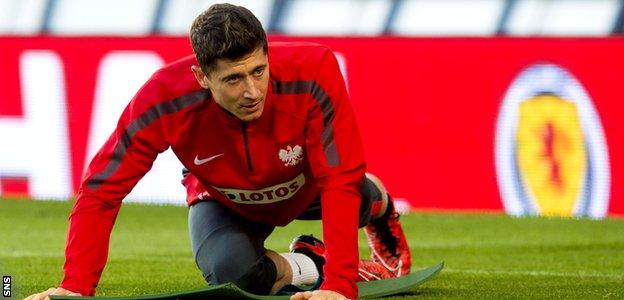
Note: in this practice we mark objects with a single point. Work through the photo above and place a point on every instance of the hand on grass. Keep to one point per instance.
(318, 295)
(51, 291)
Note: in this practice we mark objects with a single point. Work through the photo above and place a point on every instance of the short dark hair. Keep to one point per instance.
(225, 31)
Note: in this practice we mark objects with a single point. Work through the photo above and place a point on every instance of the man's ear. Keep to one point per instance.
(201, 77)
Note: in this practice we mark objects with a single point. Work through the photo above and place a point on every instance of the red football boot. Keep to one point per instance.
(387, 241)
(370, 270)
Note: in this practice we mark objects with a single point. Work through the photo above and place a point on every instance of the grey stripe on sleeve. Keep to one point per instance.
(327, 107)
(137, 125)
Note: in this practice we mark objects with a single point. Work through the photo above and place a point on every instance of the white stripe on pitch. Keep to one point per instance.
(582, 274)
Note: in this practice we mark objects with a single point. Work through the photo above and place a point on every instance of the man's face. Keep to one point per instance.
(239, 86)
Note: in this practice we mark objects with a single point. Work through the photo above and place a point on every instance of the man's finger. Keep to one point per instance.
(42, 295)
(326, 295)
(45, 295)
(301, 296)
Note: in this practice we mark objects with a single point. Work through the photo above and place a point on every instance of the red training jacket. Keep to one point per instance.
(305, 144)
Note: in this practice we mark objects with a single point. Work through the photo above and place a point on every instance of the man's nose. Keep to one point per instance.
(251, 91)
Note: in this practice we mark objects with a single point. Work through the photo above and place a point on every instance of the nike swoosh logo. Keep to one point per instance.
(298, 267)
(205, 160)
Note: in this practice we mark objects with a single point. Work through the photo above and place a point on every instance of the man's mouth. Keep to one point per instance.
(251, 107)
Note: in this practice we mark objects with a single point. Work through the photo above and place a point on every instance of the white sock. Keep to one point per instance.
(303, 268)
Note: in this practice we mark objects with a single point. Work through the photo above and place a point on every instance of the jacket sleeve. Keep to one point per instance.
(123, 160)
(337, 161)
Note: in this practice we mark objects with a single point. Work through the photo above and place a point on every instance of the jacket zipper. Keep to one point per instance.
(249, 163)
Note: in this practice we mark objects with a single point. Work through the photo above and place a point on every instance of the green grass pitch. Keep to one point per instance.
(487, 256)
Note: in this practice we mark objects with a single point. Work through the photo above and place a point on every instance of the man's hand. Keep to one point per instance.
(318, 295)
(51, 291)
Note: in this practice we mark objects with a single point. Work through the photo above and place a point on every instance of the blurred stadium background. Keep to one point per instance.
(480, 105)
(486, 106)
(322, 17)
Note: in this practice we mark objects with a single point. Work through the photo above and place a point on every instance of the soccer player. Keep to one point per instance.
(267, 135)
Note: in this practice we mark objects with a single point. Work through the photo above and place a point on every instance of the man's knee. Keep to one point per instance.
(257, 277)
(260, 278)
(221, 269)
(233, 258)
(224, 256)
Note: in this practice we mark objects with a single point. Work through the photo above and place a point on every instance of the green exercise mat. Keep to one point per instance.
(368, 289)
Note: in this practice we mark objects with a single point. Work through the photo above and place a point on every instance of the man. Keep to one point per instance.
(266, 135)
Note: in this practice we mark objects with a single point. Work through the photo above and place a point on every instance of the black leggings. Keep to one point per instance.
(230, 248)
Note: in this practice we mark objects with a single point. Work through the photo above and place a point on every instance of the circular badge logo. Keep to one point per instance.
(551, 153)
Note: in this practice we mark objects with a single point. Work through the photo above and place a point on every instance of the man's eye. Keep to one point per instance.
(232, 80)
(259, 72)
